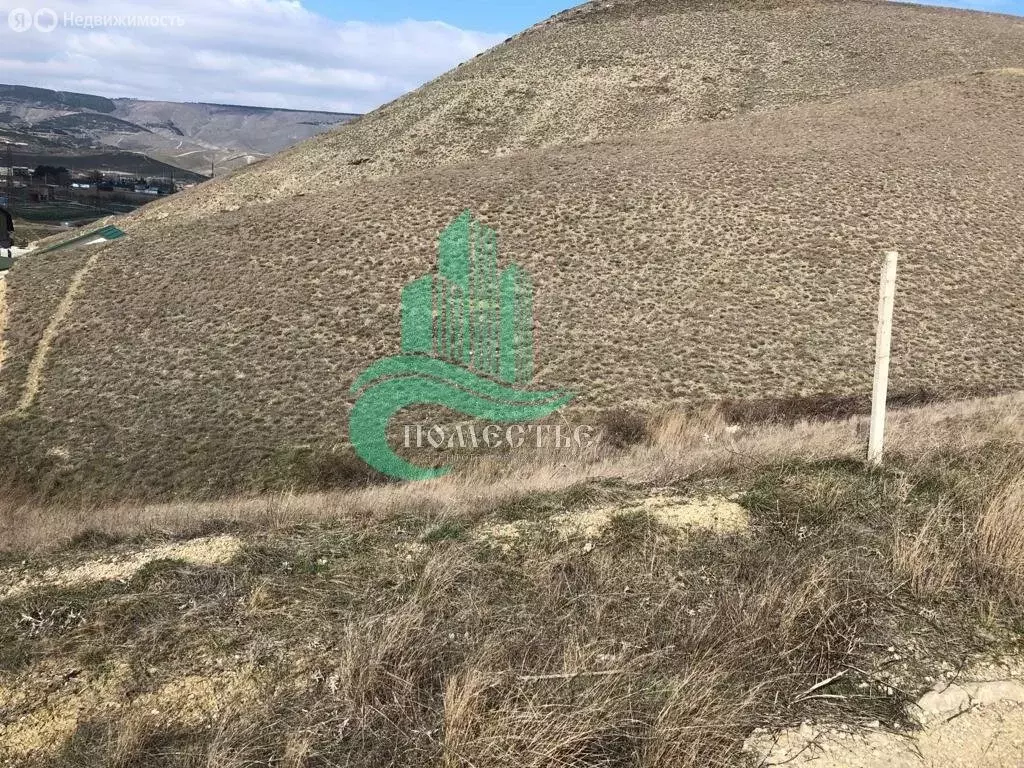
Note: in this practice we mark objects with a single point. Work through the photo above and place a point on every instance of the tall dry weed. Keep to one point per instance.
(1000, 534)
(930, 557)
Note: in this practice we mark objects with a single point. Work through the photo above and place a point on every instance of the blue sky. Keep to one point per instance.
(482, 15)
(331, 55)
(509, 17)
(1015, 7)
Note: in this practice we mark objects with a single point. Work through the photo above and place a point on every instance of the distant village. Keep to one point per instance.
(49, 193)
(43, 180)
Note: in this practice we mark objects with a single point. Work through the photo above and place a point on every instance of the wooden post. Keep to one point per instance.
(883, 342)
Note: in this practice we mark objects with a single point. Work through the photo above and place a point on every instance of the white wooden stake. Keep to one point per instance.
(883, 342)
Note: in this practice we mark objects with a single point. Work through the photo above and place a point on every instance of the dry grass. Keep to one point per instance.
(921, 554)
(684, 443)
(370, 628)
(459, 658)
(1000, 532)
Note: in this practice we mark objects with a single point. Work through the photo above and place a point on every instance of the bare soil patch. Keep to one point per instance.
(204, 551)
(974, 721)
(716, 514)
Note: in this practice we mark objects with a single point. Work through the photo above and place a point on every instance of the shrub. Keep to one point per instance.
(621, 428)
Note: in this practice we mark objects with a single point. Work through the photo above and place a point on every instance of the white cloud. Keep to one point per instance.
(261, 52)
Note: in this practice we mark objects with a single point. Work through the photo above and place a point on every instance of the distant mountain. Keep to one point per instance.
(187, 135)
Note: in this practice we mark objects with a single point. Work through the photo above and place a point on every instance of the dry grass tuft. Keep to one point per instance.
(620, 428)
(923, 555)
(1000, 533)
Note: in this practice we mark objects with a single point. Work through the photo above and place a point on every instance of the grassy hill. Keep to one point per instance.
(701, 193)
(629, 67)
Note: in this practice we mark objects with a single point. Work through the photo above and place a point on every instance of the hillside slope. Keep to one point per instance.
(716, 258)
(607, 69)
(734, 259)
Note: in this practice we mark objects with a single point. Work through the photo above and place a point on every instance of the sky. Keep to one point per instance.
(334, 55)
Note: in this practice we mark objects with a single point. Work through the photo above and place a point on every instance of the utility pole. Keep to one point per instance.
(883, 344)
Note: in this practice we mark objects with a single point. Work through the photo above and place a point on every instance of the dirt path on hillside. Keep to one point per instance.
(975, 722)
(33, 379)
(3, 320)
(35, 369)
(16, 252)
